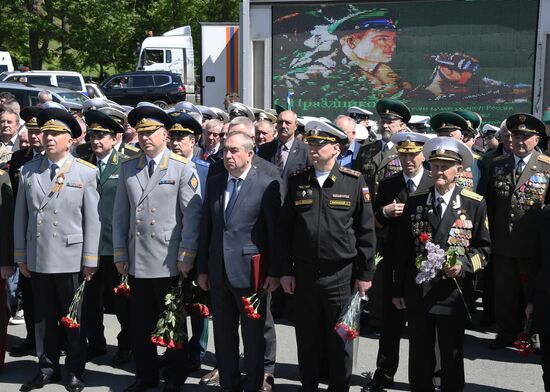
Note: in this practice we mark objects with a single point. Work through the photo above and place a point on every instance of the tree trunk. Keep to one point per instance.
(34, 35)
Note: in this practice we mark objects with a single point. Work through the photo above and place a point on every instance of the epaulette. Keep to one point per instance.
(420, 192)
(349, 171)
(131, 148)
(471, 195)
(544, 158)
(300, 171)
(128, 158)
(177, 157)
(2, 172)
(89, 164)
(476, 156)
(500, 157)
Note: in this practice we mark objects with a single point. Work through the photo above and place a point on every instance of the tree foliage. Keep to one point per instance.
(92, 36)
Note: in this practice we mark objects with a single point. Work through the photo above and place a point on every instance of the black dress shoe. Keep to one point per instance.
(499, 343)
(211, 378)
(75, 384)
(97, 351)
(39, 381)
(171, 388)
(23, 347)
(379, 382)
(121, 357)
(269, 383)
(141, 385)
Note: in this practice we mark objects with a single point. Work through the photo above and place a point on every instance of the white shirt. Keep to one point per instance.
(284, 152)
(321, 177)
(229, 187)
(416, 179)
(389, 144)
(446, 200)
(105, 160)
(59, 163)
(525, 160)
(156, 159)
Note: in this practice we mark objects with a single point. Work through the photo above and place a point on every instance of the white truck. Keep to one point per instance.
(172, 51)
(6, 63)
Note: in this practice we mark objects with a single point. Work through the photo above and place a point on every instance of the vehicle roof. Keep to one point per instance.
(131, 73)
(37, 87)
(42, 73)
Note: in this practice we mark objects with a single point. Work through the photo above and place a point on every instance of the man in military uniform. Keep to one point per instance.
(155, 239)
(517, 191)
(388, 208)
(103, 131)
(379, 159)
(18, 159)
(454, 219)
(327, 246)
(56, 240)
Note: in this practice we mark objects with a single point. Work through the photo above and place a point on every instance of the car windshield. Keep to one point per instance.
(72, 96)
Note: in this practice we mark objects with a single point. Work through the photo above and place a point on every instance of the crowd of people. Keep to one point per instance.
(248, 203)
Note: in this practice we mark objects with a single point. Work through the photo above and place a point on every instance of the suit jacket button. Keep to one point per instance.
(37, 235)
(152, 234)
(153, 222)
(39, 222)
(55, 211)
(138, 233)
(55, 234)
(139, 209)
(153, 209)
(55, 223)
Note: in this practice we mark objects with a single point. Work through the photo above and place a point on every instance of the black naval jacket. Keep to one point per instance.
(18, 159)
(464, 223)
(330, 226)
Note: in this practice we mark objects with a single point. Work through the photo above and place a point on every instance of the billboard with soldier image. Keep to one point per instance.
(434, 55)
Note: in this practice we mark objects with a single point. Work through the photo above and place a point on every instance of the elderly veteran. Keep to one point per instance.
(57, 235)
(388, 209)
(454, 219)
(326, 245)
(155, 239)
(516, 194)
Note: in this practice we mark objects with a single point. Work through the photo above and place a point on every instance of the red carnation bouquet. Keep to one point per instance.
(252, 303)
(171, 326)
(198, 302)
(348, 322)
(523, 341)
(123, 288)
(71, 319)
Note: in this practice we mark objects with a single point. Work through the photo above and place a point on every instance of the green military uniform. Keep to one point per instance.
(375, 160)
(515, 201)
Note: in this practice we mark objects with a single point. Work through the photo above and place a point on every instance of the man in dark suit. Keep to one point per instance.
(287, 153)
(454, 219)
(350, 151)
(103, 131)
(238, 224)
(212, 141)
(388, 209)
(378, 159)
(516, 193)
(18, 159)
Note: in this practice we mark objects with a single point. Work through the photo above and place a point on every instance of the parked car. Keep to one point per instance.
(159, 87)
(64, 79)
(27, 94)
(94, 91)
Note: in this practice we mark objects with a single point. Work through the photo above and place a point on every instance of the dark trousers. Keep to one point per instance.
(146, 305)
(319, 299)
(4, 317)
(54, 293)
(542, 322)
(103, 283)
(25, 288)
(227, 311)
(510, 294)
(423, 329)
(270, 340)
(392, 324)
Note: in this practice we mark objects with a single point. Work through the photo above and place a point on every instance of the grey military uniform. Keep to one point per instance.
(57, 223)
(156, 220)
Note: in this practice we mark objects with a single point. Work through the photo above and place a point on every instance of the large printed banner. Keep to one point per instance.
(434, 55)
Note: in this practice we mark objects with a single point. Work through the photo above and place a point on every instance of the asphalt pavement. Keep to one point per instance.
(486, 370)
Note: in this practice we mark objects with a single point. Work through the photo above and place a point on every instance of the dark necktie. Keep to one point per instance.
(410, 186)
(281, 159)
(519, 169)
(151, 168)
(439, 207)
(102, 167)
(53, 171)
(385, 148)
(233, 197)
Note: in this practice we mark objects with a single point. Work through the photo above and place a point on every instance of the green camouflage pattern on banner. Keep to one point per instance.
(435, 56)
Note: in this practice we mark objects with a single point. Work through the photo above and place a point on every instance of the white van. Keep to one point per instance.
(173, 52)
(6, 63)
(65, 79)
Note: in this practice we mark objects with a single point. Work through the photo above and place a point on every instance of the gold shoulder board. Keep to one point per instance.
(471, 195)
(131, 148)
(353, 173)
(501, 157)
(89, 164)
(179, 158)
(127, 158)
(544, 158)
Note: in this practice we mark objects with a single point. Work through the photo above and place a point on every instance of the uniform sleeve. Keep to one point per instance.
(284, 233)
(121, 219)
(191, 204)
(363, 225)
(480, 244)
(20, 223)
(91, 224)
(271, 206)
(402, 256)
(6, 222)
(205, 232)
